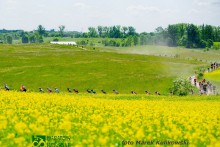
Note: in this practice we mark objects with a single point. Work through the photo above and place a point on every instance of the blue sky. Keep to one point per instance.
(144, 15)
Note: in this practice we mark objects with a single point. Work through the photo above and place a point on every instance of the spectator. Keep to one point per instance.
(195, 82)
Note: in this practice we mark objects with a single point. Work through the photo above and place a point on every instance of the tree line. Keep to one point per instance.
(182, 34)
(109, 32)
(36, 36)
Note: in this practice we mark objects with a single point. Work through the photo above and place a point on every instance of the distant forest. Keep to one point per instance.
(182, 34)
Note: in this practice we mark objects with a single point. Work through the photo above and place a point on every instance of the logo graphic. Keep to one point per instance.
(51, 141)
(39, 141)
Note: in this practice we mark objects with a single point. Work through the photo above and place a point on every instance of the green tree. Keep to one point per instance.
(169, 41)
(92, 32)
(181, 87)
(124, 30)
(203, 32)
(131, 31)
(25, 39)
(115, 32)
(32, 38)
(203, 44)
(136, 40)
(181, 29)
(182, 41)
(85, 35)
(143, 39)
(61, 30)
(193, 37)
(128, 41)
(39, 38)
(159, 30)
(41, 30)
(160, 36)
(173, 34)
(100, 30)
(209, 43)
(209, 33)
(216, 34)
(15, 36)
(105, 32)
(9, 39)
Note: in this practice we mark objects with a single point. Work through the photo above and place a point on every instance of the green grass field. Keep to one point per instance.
(155, 50)
(45, 65)
(172, 52)
(102, 68)
(216, 45)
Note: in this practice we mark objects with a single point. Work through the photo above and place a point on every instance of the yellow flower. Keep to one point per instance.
(10, 136)
(105, 129)
(20, 127)
(3, 124)
(140, 134)
(88, 119)
(103, 140)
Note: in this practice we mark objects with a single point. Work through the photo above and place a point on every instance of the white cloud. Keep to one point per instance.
(201, 3)
(193, 11)
(82, 5)
(11, 4)
(149, 9)
(12, 1)
(216, 3)
(140, 8)
(42, 6)
(204, 2)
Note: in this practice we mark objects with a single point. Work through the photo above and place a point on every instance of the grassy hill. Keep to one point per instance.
(204, 55)
(173, 52)
(45, 65)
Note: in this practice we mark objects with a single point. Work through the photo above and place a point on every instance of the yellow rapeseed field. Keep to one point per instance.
(215, 75)
(107, 120)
